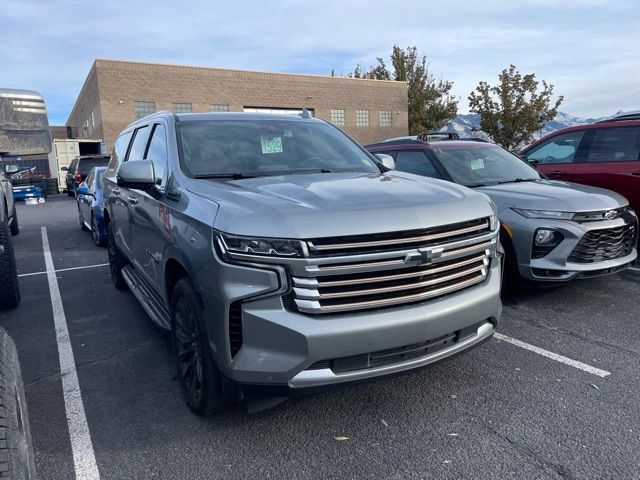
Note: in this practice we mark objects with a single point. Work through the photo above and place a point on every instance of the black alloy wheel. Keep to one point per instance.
(197, 372)
(95, 232)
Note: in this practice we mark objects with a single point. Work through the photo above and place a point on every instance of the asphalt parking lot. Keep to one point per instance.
(556, 396)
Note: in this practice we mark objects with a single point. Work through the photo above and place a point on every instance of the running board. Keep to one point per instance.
(153, 305)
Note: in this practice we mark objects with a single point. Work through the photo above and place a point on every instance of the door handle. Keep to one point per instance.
(115, 191)
(636, 173)
(132, 200)
(559, 172)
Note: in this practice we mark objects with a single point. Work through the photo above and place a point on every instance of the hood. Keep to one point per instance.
(553, 195)
(335, 204)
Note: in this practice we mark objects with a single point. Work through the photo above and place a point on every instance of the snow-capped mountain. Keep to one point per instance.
(469, 125)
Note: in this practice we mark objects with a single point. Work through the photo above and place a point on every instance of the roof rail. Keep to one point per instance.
(450, 135)
(398, 140)
(621, 117)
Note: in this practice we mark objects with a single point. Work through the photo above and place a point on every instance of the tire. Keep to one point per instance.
(197, 372)
(510, 276)
(9, 286)
(15, 226)
(83, 227)
(16, 449)
(95, 232)
(116, 261)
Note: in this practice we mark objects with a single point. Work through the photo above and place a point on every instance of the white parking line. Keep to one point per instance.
(553, 356)
(84, 459)
(64, 269)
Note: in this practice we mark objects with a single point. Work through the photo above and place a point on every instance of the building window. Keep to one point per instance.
(338, 117)
(386, 118)
(182, 108)
(362, 118)
(142, 109)
(219, 108)
(93, 121)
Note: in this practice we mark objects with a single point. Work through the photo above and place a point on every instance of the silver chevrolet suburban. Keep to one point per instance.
(285, 258)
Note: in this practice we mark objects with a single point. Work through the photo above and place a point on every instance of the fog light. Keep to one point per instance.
(544, 241)
(545, 237)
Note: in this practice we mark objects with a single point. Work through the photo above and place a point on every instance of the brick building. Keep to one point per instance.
(116, 93)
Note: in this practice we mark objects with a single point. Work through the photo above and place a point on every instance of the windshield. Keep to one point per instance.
(267, 147)
(484, 165)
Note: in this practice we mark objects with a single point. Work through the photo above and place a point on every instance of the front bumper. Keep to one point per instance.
(279, 344)
(556, 266)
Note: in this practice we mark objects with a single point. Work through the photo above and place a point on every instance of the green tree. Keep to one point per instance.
(431, 104)
(512, 111)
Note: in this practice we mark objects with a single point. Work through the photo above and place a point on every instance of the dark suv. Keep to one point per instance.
(604, 154)
(79, 169)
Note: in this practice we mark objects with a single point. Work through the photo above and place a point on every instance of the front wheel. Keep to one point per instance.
(95, 232)
(9, 287)
(15, 226)
(116, 261)
(83, 227)
(198, 374)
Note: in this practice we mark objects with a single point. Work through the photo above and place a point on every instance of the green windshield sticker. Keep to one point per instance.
(477, 164)
(271, 144)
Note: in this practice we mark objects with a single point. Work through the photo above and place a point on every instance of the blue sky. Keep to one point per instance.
(590, 50)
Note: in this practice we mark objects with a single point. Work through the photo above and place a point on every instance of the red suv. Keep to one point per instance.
(604, 154)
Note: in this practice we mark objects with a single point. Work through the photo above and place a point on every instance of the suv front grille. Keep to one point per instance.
(604, 244)
(390, 241)
(357, 281)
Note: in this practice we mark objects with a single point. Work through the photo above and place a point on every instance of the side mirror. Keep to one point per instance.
(137, 174)
(82, 189)
(64, 169)
(386, 160)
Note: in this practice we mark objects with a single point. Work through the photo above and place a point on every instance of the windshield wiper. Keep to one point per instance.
(234, 176)
(321, 170)
(519, 180)
(474, 185)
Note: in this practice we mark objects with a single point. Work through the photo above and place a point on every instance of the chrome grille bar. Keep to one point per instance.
(314, 306)
(303, 293)
(432, 270)
(401, 240)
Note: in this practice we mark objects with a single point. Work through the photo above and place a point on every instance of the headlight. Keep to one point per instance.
(271, 247)
(549, 214)
(493, 221)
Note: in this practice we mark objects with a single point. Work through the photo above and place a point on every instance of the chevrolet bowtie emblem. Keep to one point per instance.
(424, 255)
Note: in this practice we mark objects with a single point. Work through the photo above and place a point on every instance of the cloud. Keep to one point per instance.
(587, 49)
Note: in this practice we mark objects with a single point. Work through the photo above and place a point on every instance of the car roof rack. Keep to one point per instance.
(623, 116)
(399, 140)
(424, 136)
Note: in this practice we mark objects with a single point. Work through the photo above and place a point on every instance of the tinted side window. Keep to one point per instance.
(120, 149)
(615, 145)
(559, 149)
(415, 161)
(139, 145)
(157, 153)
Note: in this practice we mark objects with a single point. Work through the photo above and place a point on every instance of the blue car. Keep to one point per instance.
(90, 198)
